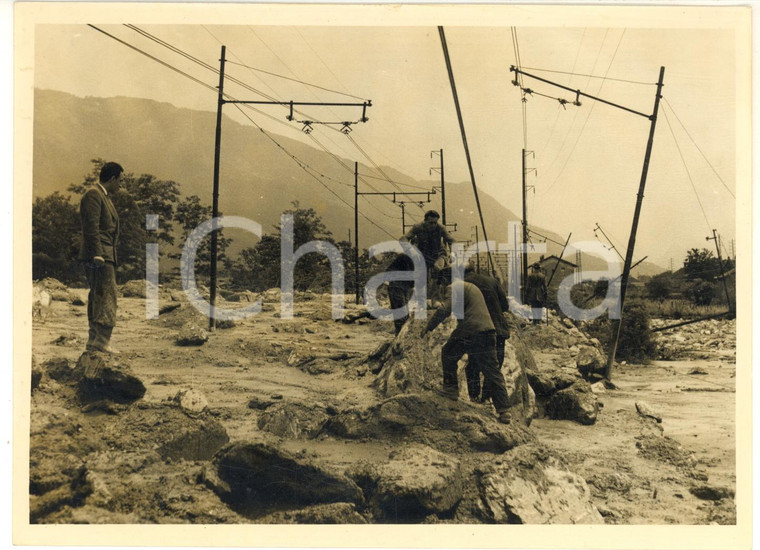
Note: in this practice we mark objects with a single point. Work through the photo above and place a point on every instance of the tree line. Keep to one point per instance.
(56, 237)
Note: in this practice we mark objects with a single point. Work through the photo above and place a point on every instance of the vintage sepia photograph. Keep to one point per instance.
(441, 267)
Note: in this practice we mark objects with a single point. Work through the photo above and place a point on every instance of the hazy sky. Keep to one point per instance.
(588, 159)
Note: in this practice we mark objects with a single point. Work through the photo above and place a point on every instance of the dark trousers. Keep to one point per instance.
(473, 376)
(481, 352)
(101, 304)
(399, 294)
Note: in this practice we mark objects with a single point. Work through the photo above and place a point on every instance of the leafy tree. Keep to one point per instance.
(660, 286)
(702, 293)
(700, 264)
(259, 266)
(56, 235)
(189, 214)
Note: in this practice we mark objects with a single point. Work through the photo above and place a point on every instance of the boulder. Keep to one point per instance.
(547, 381)
(293, 420)
(59, 368)
(191, 400)
(168, 431)
(577, 403)
(101, 376)
(192, 335)
(645, 410)
(416, 482)
(590, 362)
(412, 363)
(339, 513)
(532, 486)
(244, 296)
(260, 476)
(707, 492)
(135, 289)
(431, 419)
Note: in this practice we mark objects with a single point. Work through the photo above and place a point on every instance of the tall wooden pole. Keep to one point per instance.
(215, 196)
(356, 231)
(632, 239)
(443, 193)
(715, 237)
(525, 230)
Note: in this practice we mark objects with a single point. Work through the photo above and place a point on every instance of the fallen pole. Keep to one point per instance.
(691, 321)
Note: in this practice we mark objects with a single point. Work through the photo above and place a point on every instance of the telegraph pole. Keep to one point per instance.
(715, 238)
(525, 230)
(443, 184)
(356, 230)
(308, 124)
(215, 194)
(634, 227)
(477, 248)
(642, 184)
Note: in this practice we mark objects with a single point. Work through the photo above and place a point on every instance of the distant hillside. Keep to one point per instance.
(258, 180)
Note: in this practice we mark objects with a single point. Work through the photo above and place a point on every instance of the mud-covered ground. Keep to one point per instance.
(106, 462)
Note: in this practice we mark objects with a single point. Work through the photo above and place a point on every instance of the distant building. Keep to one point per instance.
(563, 269)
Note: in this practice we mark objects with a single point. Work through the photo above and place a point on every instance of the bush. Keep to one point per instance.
(636, 343)
(702, 293)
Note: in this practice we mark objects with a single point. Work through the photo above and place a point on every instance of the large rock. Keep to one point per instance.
(293, 420)
(191, 400)
(168, 431)
(334, 514)
(590, 362)
(577, 403)
(102, 376)
(136, 288)
(412, 363)
(547, 381)
(260, 477)
(532, 486)
(192, 335)
(430, 419)
(416, 482)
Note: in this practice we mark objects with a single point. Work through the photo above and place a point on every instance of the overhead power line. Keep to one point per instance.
(688, 173)
(591, 76)
(699, 148)
(295, 80)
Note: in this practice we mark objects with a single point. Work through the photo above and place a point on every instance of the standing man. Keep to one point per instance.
(433, 242)
(474, 335)
(100, 235)
(497, 304)
(535, 290)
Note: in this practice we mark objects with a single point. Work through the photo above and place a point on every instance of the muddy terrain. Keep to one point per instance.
(313, 420)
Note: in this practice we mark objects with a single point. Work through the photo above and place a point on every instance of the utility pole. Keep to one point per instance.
(477, 249)
(715, 238)
(634, 227)
(639, 197)
(450, 71)
(215, 194)
(443, 184)
(308, 124)
(356, 230)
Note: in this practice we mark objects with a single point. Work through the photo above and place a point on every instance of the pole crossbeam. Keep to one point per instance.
(577, 92)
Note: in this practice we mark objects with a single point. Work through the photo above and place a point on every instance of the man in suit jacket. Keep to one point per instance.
(496, 301)
(100, 236)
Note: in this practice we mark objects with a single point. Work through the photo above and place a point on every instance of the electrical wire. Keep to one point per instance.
(298, 81)
(688, 173)
(698, 148)
(591, 110)
(591, 76)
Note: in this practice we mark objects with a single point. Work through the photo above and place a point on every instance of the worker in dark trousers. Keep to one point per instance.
(474, 335)
(535, 290)
(498, 306)
(400, 292)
